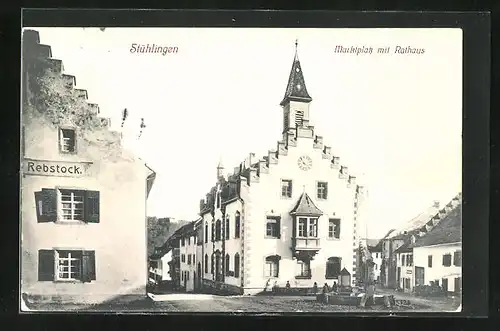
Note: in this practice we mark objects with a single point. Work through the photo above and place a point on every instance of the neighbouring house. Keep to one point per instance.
(190, 266)
(438, 254)
(375, 249)
(295, 215)
(404, 266)
(396, 238)
(83, 196)
(159, 271)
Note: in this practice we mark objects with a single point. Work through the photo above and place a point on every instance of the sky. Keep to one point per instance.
(394, 119)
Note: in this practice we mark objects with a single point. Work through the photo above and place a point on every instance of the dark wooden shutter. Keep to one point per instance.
(46, 265)
(336, 233)
(278, 228)
(39, 208)
(326, 191)
(49, 204)
(92, 206)
(88, 266)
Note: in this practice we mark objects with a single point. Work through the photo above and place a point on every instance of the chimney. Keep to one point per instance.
(436, 204)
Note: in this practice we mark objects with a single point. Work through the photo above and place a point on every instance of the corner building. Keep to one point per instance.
(83, 196)
(293, 215)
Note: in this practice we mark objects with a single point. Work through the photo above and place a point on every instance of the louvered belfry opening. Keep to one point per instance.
(299, 118)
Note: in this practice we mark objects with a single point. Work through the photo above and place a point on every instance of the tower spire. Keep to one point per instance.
(296, 88)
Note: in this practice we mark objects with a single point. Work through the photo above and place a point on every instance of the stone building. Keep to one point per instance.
(295, 215)
(83, 196)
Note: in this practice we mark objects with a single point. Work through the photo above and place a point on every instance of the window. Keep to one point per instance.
(194, 259)
(237, 225)
(213, 232)
(333, 267)
(322, 190)
(403, 261)
(183, 242)
(72, 205)
(66, 265)
(429, 261)
(457, 258)
(376, 255)
(302, 227)
(227, 228)
(286, 121)
(212, 264)
(237, 265)
(183, 258)
(206, 233)
(334, 229)
(273, 227)
(218, 229)
(67, 205)
(447, 260)
(304, 269)
(189, 241)
(299, 117)
(206, 263)
(189, 259)
(313, 228)
(376, 266)
(409, 260)
(272, 266)
(67, 140)
(286, 188)
(227, 262)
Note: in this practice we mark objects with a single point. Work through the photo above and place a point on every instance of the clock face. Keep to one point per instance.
(305, 163)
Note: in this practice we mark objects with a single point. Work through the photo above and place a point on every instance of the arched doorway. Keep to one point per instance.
(198, 277)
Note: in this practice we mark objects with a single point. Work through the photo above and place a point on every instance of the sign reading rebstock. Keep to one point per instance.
(55, 168)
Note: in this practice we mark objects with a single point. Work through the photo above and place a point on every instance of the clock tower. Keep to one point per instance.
(296, 101)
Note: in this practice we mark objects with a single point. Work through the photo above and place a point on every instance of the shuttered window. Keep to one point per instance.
(66, 265)
(457, 258)
(67, 205)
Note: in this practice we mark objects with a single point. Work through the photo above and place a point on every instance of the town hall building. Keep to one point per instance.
(293, 216)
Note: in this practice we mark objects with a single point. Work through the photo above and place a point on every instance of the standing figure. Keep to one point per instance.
(315, 288)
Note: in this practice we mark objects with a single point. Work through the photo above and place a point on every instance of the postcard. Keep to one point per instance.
(241, 169)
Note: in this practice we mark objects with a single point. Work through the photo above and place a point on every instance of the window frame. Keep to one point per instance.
(61, 138)
(302, 264)
(333, 237)
(269, 270)
(450, 260)
(325, 189)
(237, 225)
(289, 188)
(276, 221)
(429, 261)
(333, 260)
(57, 260)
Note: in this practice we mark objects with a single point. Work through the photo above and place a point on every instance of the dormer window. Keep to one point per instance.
(67, 140)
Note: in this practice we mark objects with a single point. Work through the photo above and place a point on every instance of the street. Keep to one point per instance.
(254, 304)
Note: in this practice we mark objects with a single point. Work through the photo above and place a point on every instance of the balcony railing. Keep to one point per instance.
(306, 243)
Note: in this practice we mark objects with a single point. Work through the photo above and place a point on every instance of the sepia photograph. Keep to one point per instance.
(245, 170)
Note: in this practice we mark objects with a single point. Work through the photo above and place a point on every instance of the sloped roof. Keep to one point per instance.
(374, 245)
(372, 242)
(448, 230)
(296, 87)
(406, 247)
(305, 206)
(415, 224)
